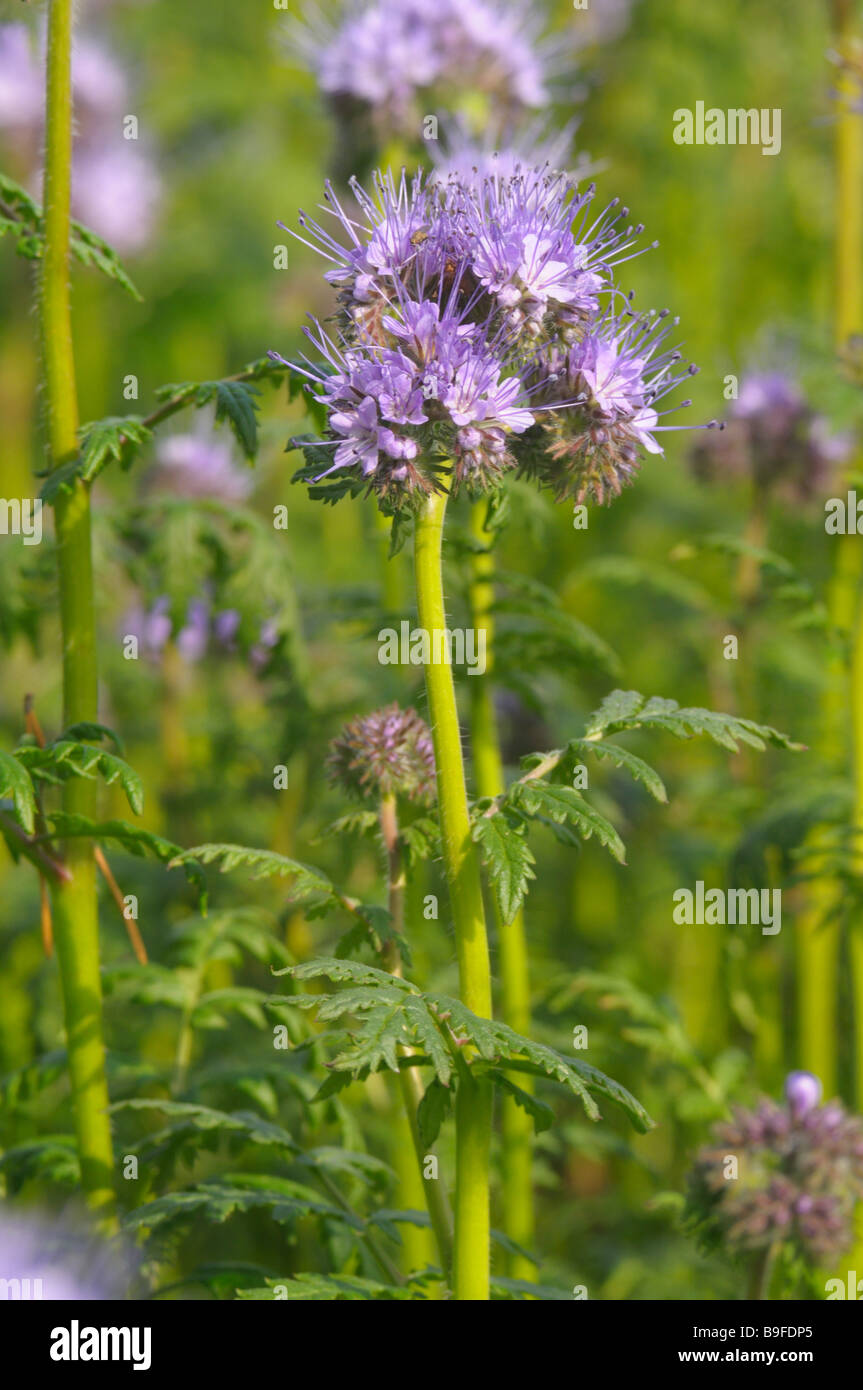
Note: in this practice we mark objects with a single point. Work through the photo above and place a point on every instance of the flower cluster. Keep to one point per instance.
(380, 54)
(800, 1173)
(475, 336)
(387, 753)
(115, 187)
(776, 439)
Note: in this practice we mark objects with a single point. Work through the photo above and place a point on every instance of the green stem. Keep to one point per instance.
(76, 924)
(759, 1274)
(432, 1190)
(818, 951)
(516, 1125)
(473, 1099)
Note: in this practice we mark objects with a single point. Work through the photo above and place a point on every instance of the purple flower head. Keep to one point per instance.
(532, 248)
(444, 375)
(803, 1092)
(469, 313)
(201, 465)
(597, 405)
(388, 753)
(800, 1175)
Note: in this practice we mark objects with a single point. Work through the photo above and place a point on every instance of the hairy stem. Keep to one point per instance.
(516, 1124)
(432, 1190)
(76, 925)
(473, 1099)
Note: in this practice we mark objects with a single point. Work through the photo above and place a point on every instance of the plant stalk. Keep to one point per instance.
(432, 1190)
(473, 1099)
(516, 1125)
(76, 923)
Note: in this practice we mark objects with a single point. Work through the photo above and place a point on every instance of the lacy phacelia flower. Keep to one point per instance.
(799, 1176)
(381, 54)
(775, 439)
(449, 293)
(595, 405)
(388, 753)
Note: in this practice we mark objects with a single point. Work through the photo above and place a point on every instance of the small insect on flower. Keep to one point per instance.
(387, 753)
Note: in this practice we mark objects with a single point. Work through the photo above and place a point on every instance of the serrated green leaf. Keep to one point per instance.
(507, 857)
(627, 709)
(236, 403)
(15, 783)
(562, 803)
(66, 758)
(622, 757)
(142, 843)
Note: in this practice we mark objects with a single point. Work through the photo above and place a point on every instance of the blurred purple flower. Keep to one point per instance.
(803, 1092)
(116, 192)
(225, 627)
(152, 627)
(58, 1261)
(800, 1176)
(22, 94)
(382, 53)
(193, 637)
(775, 439)
(202, 465)
(268, 639)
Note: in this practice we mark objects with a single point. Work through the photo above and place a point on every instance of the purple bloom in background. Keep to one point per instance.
(115, 187)
(116, 191)
(193, 637)
(152, 626)
(54, 1260)
(775, 439)
(22, 81)
(381, 54)
(387, 753)
(800, 1176)
(226, 625)
(268, 640)
(803, 1092)
(201, 465)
